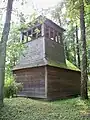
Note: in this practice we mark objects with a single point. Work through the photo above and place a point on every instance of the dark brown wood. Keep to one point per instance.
(33, 81)
(62, 83)
(48, 82)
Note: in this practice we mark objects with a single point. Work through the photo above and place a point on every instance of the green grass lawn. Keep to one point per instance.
(28, 109)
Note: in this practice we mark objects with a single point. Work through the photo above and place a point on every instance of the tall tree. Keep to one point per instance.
(3, 44)
(57, 13)
(79, 5)
(74, 50)
(84, 77)
(77, 48)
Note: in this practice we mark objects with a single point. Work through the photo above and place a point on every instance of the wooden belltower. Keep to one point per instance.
(42, 68)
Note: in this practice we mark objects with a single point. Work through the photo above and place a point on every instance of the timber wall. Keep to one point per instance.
(33, 81)
(54, 51)
(62, 83)
(33, 54)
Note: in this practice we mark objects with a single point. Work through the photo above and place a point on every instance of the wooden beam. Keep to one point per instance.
(49, 31)
(27, 36)
(42, 30)
(46, 83)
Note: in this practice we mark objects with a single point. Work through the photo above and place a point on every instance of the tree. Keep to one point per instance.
(14, 49)
(84, 77)
(74, 6)
(77, 48)
(57, 13)
(3, 44)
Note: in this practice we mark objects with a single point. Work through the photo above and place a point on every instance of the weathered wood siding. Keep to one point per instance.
(33, 55)
(62, 83)
(40, 52)
(54, 25)
(33, 81)
(54, 51)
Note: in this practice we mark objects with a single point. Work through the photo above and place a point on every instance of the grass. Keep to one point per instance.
(28, 109)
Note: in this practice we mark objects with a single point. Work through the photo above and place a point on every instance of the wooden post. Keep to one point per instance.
(57, 37)
(46, 81)
(49, 33)
(42, 30)
(27, 36)
(22, 37)
(53, 34)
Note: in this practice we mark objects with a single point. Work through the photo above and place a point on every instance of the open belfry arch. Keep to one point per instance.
(42, 68)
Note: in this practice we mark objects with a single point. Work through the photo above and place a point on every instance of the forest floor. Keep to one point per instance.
(29, 109)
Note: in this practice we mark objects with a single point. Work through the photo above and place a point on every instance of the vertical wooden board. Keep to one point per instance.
(46, 85)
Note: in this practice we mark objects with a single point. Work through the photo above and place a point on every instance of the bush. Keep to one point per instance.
(11, 88)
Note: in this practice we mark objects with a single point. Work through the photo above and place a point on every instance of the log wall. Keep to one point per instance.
(33, 80)
(62, 83)
(48, 82)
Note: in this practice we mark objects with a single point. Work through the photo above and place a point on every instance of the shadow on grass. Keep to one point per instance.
(6, 112)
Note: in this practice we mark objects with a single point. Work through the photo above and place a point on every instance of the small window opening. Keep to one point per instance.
(51, 34)
(31, 34)
(47, 31)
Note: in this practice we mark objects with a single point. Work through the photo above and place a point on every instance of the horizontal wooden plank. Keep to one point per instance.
(33, 81)
(62, 83)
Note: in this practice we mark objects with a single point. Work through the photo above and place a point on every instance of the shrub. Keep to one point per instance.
(11, 88)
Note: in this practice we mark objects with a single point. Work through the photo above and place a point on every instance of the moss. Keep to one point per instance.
(68, 65)
(55, 64)
(71, 66)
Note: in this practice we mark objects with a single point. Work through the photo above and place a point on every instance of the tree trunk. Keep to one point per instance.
(77, 47)
(74, 50)
(84, 78)
(3, 43)
(66, 51)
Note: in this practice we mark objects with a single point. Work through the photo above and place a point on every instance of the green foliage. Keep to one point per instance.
(57, 13)
(28, 109)
(14, 49)
(11, 88)
(70, 42)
